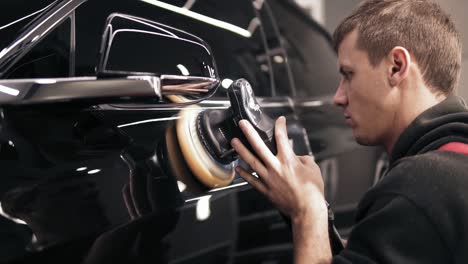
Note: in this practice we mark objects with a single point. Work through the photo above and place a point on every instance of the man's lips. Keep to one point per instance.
(348, 119)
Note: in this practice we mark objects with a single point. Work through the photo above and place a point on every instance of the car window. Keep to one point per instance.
(276, 57)
(16, 14)
(311, 57)
(49, 58)
(231, 28)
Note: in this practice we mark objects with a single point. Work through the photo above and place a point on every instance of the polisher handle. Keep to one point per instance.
(245, 106)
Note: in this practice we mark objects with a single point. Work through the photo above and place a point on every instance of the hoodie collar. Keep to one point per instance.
(438, 125)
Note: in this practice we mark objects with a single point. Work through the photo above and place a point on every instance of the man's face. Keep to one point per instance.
(364, 94)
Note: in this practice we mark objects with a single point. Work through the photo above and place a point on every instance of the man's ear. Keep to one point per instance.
(400, 61)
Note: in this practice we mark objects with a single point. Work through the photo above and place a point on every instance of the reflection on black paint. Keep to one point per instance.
(61, 185)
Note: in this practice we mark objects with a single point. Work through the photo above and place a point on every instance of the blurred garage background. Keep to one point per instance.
(238, 228)
(330, 13)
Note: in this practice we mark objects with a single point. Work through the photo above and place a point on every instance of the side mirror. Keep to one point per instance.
(181, 63)
(139, 61)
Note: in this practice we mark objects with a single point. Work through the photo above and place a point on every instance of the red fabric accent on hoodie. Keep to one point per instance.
(455, 147)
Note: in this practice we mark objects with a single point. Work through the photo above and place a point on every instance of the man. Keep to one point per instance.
(400, 61)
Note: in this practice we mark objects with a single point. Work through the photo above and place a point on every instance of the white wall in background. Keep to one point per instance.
(457, 9)
(316, 8)
(336, 10)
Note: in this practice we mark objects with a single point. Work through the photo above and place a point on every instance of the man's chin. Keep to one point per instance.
(364, 141)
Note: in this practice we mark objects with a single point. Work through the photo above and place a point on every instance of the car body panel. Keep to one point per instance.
(87, 181)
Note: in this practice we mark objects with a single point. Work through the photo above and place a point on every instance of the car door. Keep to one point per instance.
(68, 167)
(257, 230)
(89, 179)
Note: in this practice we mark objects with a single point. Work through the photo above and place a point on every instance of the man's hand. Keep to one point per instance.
(294, 184)
(289, 181)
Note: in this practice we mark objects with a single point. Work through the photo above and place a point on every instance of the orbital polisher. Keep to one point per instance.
(198, 146)
(199, 150)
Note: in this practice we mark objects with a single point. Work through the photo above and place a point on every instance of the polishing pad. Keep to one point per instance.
(204, 167)
(177, 163)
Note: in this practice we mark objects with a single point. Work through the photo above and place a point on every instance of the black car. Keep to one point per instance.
(113, 113)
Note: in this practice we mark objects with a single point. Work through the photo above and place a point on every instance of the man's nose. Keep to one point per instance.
(340, 98)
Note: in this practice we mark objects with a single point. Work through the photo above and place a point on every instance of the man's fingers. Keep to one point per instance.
(282, 140)
(307, 159)
(248, 157)
(257, 143)
(254, 181)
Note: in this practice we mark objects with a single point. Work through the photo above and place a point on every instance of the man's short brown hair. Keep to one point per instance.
(420, 26)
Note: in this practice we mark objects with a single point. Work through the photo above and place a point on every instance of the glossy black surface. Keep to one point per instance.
(19, 14)
(133, 44)
(90, 181)
(26, 38)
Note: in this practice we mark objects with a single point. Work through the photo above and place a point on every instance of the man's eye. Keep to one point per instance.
(347, 75)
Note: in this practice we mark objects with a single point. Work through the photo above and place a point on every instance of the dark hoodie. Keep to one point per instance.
(418, 213)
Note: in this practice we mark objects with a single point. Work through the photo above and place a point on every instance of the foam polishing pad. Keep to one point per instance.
(177, 164)
(204, 167)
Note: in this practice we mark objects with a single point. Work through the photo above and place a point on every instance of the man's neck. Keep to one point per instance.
(409, 109)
